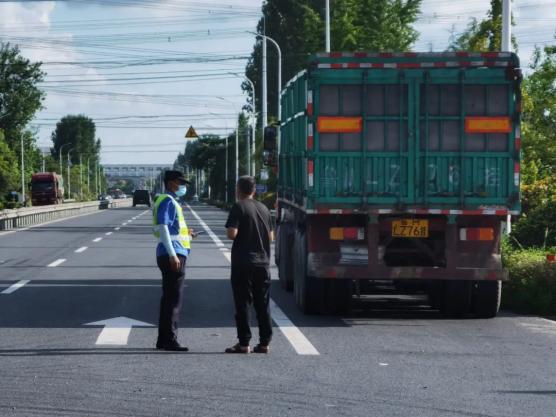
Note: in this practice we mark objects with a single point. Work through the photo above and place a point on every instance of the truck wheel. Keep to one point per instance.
(308, 291)
(457, 299)
(338, 294)
(285, 260)
(486, 298)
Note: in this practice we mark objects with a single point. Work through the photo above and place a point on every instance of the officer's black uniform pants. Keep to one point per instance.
(170, 303)
(251, 284)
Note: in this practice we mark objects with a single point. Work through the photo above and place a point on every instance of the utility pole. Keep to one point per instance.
(69, 173)
(22, 171)
(264, 87)
(81, 176)
(506, 25)
(327, 26)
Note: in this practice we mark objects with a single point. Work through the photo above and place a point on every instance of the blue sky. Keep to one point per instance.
(115, 61)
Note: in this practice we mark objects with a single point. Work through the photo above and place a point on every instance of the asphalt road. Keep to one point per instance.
(391, 357)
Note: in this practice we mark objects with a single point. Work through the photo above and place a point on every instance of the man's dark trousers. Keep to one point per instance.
(170, 303)
(251, 284)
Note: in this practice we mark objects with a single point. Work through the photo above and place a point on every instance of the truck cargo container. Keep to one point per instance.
(398, 167)
(47, 188)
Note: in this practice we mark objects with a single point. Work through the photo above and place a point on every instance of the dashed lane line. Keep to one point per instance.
(108, 233)
(116, 229)
(81, 249)
(15, 286)
(98, 239)
(56, 263)
(291, 332)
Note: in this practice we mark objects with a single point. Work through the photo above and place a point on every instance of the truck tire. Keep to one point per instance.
(285, 260)
(308, 291)
(486, 298)
(457, 299)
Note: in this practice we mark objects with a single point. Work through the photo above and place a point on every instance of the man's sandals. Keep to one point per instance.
(246, 349)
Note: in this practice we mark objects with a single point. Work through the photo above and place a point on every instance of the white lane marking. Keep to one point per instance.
(116, 330)
(124, 224)
(108, 233)
(98, 239)
(300, 343)
(116, 229)
(9, 232)
(215, 238)
(383, 364)
(15, 286)
(94, 285)
(56, 263)
(297, 339)
(81, 249)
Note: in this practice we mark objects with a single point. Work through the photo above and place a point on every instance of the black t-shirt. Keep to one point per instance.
(252, 243)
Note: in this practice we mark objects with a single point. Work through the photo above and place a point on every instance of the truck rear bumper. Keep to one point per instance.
(323, 266)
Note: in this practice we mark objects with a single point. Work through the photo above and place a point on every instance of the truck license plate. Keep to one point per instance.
(410, 228)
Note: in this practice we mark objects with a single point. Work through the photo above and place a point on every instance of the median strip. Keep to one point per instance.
(15, 286)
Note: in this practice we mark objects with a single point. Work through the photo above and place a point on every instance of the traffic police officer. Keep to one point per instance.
(171, 255)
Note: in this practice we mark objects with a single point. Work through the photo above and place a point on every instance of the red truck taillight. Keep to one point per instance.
(347, 233)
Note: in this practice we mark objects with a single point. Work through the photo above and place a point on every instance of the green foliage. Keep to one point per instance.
(532, 285)
(20, 97)
(8, 168)
(298, 27)
(77, 132)
(485, 35)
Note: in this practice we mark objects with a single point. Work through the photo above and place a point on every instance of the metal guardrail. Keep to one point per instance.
(23, 217)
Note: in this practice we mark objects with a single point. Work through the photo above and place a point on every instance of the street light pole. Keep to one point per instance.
(22, 171)
(506, 26)
(279, 107)
(237, 136)
(327, 36)
(61, 159)
(81, 176)
(251, 151)
(69, 174)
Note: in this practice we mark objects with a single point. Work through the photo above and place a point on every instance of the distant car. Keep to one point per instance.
(104, 201)
(141, 197)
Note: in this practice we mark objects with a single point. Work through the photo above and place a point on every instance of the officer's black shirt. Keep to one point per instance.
(252, 243)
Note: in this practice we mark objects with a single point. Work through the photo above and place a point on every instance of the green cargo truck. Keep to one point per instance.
(400, 168)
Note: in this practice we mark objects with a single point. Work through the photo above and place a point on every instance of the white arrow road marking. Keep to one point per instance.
(297, 339)
(15, 286)
(56, 263)
(116, 330)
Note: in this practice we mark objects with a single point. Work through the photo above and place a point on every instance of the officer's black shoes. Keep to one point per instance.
(174, 346)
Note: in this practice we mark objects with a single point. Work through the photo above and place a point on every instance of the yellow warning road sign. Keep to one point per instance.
(191, 133)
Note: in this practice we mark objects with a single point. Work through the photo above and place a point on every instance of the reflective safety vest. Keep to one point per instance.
(183, 237)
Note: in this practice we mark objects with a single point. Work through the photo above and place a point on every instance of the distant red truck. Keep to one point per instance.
(47, 188)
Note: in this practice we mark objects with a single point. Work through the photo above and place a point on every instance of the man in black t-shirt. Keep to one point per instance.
(249, 225)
